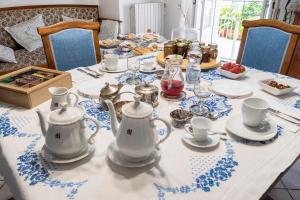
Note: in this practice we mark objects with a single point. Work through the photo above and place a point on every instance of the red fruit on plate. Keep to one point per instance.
(236, 70)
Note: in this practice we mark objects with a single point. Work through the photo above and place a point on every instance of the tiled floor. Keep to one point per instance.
(287, 188)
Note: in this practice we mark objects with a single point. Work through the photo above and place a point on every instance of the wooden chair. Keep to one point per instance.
(110, 28)
(71, 44)
(268, 45)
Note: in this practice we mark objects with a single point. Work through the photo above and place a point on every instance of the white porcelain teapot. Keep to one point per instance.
(136, 135)
(65, 132)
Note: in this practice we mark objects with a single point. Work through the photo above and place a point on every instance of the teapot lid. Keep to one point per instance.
(65, 115)
(137, 109)
(109, 89)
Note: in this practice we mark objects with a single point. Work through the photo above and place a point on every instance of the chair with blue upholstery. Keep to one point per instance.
(71, 44)
(268, 45)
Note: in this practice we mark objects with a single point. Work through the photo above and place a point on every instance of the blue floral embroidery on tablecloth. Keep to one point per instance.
(214, 103)
(211, 75)
(280, 131)
(34, 171)
(7, 129)
(297, 103)
(30, 165)
(221, 172)
(148, 78)
(98, 112)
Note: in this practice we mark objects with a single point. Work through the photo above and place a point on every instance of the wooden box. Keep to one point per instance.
(31, 95)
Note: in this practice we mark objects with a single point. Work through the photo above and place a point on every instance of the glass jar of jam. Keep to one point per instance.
(213, 50)
(182, 48)
(205, 54)
(169, 49)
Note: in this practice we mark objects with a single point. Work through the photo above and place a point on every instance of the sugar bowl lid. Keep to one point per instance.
(109, 89)
(66, 115)
(146, 89)
(137, 109)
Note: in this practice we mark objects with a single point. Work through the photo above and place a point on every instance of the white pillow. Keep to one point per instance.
(7, 54)
(65, 18)
(25, 33)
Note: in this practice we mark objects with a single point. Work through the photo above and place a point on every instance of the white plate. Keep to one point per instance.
(231, 75)
(212, 141)
(272, 90)
(121, 68)
(231, 88)
(54, 159)
(90, 89)
(264, 132)
(114, 155)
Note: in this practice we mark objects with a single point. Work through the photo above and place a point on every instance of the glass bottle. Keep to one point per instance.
(172, 81)
(193, 70)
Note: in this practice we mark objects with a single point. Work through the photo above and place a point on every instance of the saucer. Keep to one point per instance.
(54, 159)
(265, 131)
(114, 155)
(90, 89)
(120, 69)
(154, 69)
(212, 141)
(181, 96)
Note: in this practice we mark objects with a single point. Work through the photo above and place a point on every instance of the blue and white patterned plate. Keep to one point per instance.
(215, 103)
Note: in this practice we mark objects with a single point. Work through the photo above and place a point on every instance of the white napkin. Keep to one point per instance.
(288, 110)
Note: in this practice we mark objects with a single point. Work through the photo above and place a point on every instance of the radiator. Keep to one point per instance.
(146, 16)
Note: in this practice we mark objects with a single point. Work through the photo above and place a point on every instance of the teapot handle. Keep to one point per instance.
(96, 131)
(168, 130)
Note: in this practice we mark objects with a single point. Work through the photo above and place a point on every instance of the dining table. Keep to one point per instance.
(236, 169)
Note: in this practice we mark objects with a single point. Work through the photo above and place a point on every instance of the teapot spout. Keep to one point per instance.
(43, 123)
(113, 117)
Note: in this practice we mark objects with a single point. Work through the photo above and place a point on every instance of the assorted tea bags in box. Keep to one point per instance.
(28, 87)
(29, 79)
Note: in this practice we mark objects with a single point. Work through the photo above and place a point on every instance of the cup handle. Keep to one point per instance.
(69, 98)
(187, 129)
(96, 131)
(168, 130)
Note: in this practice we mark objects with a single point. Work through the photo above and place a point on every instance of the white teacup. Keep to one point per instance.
(148, 65)
(254, 111)
(201, 127)
(111, 61)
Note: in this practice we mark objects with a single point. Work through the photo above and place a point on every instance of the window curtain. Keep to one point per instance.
(187, 12)
(280, 9)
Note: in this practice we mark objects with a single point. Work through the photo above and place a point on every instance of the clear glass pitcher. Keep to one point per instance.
(172, 82)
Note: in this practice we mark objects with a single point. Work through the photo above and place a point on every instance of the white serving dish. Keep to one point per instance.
(231, 75)
(272, 90)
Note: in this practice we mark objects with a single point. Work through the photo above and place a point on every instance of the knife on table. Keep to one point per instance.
(87, 73)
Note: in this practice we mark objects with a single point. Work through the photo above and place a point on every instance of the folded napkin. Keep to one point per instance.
(285, 108)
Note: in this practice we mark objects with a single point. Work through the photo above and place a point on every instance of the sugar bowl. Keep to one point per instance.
(109, 91)
(148, 93)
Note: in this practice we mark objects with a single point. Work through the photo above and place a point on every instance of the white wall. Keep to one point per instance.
(10, 3)
(109, 9)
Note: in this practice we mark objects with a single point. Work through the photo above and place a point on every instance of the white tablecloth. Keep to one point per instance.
(236, 169)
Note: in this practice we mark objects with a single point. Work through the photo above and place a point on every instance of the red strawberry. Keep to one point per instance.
(236, 70)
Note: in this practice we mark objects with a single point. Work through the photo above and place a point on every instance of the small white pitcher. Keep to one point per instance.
(61, 95)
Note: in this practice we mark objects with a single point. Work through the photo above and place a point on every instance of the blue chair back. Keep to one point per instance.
(265, 48)
(73, 48)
